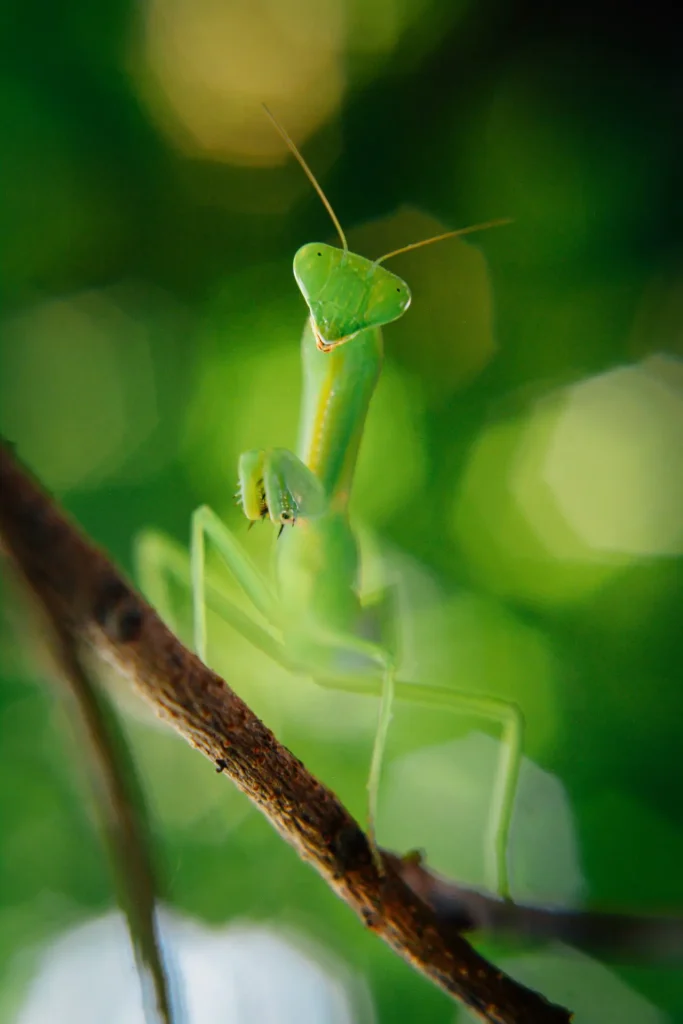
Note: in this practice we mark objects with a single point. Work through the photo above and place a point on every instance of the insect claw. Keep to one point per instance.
(251, 523)
(279, 532)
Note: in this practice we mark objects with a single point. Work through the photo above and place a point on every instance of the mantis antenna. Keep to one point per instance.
(291, 145)
(448, 234)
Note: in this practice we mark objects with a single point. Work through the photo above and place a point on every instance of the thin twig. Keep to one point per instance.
(119, 808)
(637, 939)
(95, 606)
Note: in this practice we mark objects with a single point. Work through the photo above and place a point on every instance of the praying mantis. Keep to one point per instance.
(310, 618)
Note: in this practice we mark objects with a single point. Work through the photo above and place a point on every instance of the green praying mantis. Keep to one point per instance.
(310, 618)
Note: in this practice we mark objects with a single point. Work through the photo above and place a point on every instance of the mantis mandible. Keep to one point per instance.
(310, 618)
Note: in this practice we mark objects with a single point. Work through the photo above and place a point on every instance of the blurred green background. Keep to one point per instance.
(522, 471)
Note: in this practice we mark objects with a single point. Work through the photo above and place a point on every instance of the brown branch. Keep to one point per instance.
(97, 609)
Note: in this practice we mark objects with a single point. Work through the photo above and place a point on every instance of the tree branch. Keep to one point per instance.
(93, 607)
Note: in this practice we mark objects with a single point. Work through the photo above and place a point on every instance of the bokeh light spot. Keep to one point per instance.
(614, 462)
(250, 972)
(446, 337)
(205, 67)
(458, 778)
(500, 538)
(82, 364)
(551, 506)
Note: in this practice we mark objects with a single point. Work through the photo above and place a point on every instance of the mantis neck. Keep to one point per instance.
(338, 386)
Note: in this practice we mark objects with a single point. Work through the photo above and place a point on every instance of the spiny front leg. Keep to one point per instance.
(274, 482)
(270, 482)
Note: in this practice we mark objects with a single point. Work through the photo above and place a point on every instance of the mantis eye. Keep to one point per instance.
(286, 517)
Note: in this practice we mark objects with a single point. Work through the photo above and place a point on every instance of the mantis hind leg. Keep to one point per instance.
(342, 662)
(360, 666)
(384, 608)
(506, 714)
(511, 720)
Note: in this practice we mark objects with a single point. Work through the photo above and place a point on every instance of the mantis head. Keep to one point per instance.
(346, 293)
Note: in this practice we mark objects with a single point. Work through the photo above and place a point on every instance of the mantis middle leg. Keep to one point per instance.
(160, 558)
